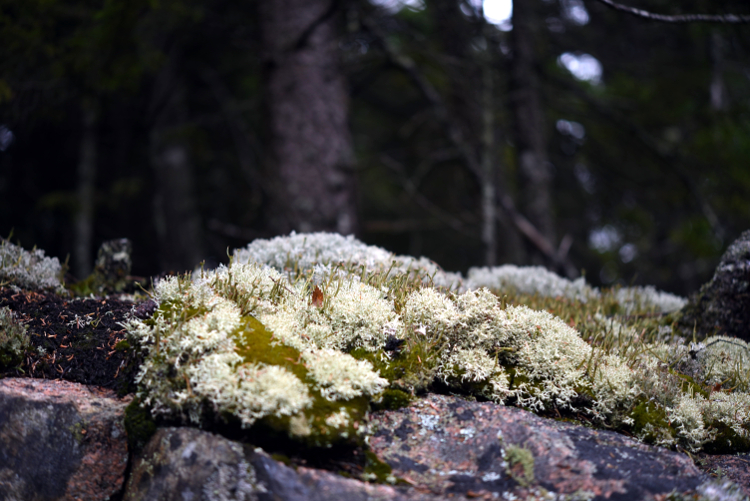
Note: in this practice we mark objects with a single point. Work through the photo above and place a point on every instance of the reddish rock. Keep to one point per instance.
(729, 466)
(60, 441)
(181, 464)
(454, 447)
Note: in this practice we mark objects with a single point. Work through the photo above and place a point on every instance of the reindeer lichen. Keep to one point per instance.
(309, 345)
(14, 339)
(28, 269)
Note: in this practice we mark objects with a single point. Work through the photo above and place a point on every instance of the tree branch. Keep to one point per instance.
(408, 66)
(408, 185)
(677, 19)
(428, 91)
(559, 258)
(671, 161)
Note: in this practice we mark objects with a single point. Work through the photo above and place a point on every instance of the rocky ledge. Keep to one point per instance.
(67, 441)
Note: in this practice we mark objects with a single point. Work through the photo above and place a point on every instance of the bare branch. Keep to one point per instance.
(447, 218)
(672, 161)
(523, 225)
(680, 18)
(408, 66)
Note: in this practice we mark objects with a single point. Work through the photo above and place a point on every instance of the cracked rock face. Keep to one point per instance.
(182, 464)
(60, 441)
(452, 447)
(722, 307)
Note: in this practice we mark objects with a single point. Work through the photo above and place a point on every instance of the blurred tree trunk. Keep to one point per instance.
(718, 89)
(473, 111)
(488, 162)
(526, 108)
(309, 153)
(175, 214)
(84, 221)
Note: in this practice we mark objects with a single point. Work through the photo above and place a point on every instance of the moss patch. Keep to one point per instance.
(139, 425)
(520, 464)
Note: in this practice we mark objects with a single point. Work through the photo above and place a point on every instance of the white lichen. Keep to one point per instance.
(529, 280)
(319, 254)
(338, 376)
(28, 269)
(201, 348)
(648, 298)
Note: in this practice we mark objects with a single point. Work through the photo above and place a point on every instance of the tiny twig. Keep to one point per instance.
(680, 18)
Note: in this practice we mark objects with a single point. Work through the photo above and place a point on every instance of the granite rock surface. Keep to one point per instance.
(722, 306)
(60, 441)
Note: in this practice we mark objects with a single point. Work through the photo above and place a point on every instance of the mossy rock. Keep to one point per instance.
(722, 306)
(139, 425)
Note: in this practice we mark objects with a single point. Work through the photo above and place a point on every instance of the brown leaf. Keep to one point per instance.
(317, 297)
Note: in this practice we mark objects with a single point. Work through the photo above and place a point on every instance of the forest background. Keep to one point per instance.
(573, 135)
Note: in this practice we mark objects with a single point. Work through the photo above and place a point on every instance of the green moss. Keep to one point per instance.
(14, 340)
(375, 469)
(256, 344)
(650, 422)
(139, 425)
(123, 345)
(78, 431)
(410, 368)
(281, 458)
(520, 464)
(85, 287)
(690, 386)
(393, 399)
(727, 440)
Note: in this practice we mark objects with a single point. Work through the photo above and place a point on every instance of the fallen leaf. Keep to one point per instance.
(317, 297)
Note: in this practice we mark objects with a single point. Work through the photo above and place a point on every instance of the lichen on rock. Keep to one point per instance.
(204, 347)
(308, 353)
(28, 269)
(13, 338)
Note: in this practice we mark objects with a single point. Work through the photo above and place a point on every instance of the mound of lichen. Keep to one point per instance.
(308, 353)
(14, 340)
(321, 254)
(28, 269)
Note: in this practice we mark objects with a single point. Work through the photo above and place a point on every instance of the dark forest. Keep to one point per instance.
(195, 126)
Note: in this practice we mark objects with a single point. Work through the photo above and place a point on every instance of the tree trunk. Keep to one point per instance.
(309, 154)
(175, 215)
(536, 178)
(489, 203)
(718, 89)
(84, 221)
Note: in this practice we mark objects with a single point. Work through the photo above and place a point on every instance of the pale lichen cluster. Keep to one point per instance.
(14, 340)
(309, 351)
(324, 253)
(28, 269)
(530, 280)
(536, 280)
(205, 345)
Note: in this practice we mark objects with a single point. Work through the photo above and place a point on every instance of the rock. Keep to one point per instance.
(722, 306)
(734, 467)
(113, 263)
(60, 441)
(181, 464)
(454, 447)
